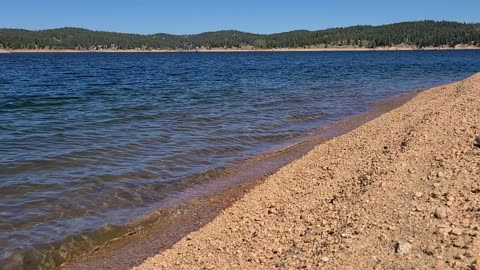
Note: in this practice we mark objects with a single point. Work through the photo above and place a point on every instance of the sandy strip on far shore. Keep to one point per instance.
(330, 49)
(401, 191)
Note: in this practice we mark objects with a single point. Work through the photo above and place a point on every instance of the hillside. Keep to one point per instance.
(416, 34)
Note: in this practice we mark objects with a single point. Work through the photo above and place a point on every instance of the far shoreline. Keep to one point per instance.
(332, 49)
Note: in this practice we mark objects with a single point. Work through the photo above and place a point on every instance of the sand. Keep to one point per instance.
(313, 49)
(74, 51)
(400, 192)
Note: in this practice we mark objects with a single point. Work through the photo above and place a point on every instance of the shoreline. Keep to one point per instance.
(401, 189)
(331, 49)
(177, 221)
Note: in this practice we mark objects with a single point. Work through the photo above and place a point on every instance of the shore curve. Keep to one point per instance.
(399, 192)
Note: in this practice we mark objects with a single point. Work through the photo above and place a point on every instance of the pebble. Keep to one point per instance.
(419, 208)
(430, 251)
(324, 259)
(402, 248)
(444, 231)
(477, 141)
(440, 213)
(456, 231)
(365, 180)
(459, 243)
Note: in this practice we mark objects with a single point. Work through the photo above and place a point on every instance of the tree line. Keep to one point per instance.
(416, 34)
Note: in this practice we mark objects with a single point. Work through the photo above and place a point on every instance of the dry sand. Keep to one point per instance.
(74, 51)
(329, 49)
(400, 192)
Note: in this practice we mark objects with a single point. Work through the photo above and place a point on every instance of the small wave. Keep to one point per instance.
(27, 102)
(307, 117)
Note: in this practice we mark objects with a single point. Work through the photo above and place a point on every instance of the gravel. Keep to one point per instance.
(326, 207)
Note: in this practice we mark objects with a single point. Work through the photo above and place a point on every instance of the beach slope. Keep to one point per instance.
(400, 192)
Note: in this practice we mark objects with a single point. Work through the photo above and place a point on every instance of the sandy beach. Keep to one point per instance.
(400, 192)
(329, 49)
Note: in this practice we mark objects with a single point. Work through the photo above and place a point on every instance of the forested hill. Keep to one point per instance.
(417, 34)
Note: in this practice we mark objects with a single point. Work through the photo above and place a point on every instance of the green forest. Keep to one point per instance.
(416, 34)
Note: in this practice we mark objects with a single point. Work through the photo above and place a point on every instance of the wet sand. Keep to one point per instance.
(400, 192)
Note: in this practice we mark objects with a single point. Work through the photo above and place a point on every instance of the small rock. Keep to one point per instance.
(456, 231)
(465, 223)
(444, 231)
(272, 211)
(402, 248)
(365, 180)
(474, 266)
(430, 251)
(440, 213)
(324, 259)
(459, 243)
(418, 194)
(419, 208)
(436, 195)
(477, 141)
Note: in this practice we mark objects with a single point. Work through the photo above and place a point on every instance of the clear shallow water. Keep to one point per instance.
(91, 141)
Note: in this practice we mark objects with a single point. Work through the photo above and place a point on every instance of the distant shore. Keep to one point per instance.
(329, 49)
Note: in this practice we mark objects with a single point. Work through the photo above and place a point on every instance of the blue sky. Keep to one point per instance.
(194, 16)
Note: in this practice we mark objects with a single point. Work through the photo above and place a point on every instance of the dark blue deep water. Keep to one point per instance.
(93, 140)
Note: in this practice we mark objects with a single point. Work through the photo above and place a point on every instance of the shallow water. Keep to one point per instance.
(94, 140)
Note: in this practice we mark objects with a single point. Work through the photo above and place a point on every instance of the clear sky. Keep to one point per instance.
(194, 16)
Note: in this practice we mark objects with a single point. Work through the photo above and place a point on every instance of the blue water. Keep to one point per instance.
(91, 140)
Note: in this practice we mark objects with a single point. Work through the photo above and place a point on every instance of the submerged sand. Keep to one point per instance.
(400, 192)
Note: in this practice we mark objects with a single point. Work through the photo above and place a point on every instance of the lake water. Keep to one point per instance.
(90, 141)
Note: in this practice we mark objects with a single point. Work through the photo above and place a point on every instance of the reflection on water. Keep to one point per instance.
(89, 142)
